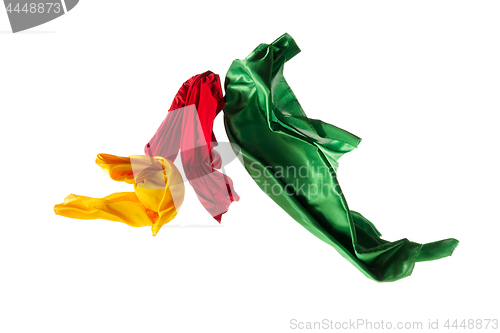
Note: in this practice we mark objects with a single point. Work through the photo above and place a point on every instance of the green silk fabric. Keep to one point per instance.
(294, 159)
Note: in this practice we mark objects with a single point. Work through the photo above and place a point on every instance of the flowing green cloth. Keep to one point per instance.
(294, 159)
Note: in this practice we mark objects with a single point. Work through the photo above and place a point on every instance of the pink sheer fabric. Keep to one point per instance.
(188, 128)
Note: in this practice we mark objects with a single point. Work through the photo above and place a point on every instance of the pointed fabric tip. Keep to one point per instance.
(218, 218)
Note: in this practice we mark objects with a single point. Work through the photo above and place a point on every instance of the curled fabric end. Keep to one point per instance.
(437, 250)
(188, 128)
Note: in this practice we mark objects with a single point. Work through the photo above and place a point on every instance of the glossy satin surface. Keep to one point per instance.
(158, 193)
(263, 117)
(188, 128)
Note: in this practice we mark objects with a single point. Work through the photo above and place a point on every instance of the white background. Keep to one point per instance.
(418, 81)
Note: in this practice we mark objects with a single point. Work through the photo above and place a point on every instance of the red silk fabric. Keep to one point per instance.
(188, 128)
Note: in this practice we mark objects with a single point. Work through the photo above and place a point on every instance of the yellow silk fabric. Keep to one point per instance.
(157, 197)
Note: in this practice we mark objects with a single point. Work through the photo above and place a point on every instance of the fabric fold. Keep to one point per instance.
(188, 128)
(294, 160)
(157, 197)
